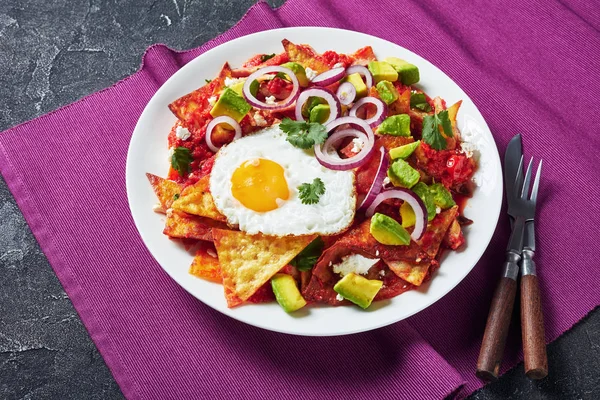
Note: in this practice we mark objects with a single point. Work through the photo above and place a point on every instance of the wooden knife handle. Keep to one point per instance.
(496, 329)
(532, 325)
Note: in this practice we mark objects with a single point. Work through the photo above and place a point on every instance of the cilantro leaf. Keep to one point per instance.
(431, 131)
(308, 257)
(266, 57)
(303, 134)
(208, 80)
(419, 101)
(176, 196)
(181, 159)
(311, 192)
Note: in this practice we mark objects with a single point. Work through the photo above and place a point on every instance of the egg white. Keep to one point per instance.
(332, 214)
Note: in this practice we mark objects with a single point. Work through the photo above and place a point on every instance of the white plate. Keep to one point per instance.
(148, 153)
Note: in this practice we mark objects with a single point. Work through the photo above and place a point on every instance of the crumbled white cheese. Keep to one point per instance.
(382, 272)
(259, 120)
(468, 148)
(418, 259)
(310, 73)
(377, 253)
(232, 81)
(158, 208)
(438, 210)
(330, 263)
(337, 65)
(357, 145)
(386, 181)
(211, 253)
(339, 297)
(182, 133)
(354, 263)
(171, 152)
(212, 100)
(270, 100)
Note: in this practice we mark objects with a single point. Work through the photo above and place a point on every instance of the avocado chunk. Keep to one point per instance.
(311, 103)
(402, 174)
(238, 88)
(358, 83)
(409, 73)
(441, 196)
(396, 125)
(286, 292)
(425, 194)
(408, 215)
(405, 151)
(382, 71)
(299, 71)
(387, 231)
(231, 104)
(319, 113)
(387, 91)
(359, 290)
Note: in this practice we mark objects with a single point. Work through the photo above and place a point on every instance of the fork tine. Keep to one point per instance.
(527, 181)
(519, 178)
(536, 183)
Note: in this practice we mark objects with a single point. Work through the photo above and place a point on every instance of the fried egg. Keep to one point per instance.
(254, 183)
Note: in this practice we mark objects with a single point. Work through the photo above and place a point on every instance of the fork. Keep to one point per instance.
(522, 209)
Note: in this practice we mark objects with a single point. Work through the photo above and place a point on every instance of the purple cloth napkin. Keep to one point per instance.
(529, 67)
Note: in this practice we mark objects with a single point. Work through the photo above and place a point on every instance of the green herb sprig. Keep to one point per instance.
(431, 131)
(303, 134)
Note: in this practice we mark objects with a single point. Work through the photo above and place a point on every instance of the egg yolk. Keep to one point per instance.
(258, 183)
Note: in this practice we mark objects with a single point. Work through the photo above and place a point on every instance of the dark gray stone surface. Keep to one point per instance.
(53, 53)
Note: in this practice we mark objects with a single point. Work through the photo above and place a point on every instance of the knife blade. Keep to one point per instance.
(512, 156)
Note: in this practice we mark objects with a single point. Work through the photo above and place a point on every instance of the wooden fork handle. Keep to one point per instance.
(496, 329)
(532, 326)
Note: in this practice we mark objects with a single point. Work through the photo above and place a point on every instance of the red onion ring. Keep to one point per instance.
(254, 102)
(335, 108)
(346, 93)
(224, 119)
(364, 71)
(379, 115)
(413, 200)
(328, 77)
(334, 161)
(377, 184)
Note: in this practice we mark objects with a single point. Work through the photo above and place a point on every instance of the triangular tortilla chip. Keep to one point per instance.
(164, 189)
(411, 272)
(436, 230)
(185, 226)
(248, 261)
(206, 264)
(197, 200)
(305, 55)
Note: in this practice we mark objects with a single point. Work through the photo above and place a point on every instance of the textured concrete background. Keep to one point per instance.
(54, 52)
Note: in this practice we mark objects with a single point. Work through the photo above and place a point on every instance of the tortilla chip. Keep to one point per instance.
(206, 264)
(364, 56)
(185, 226)
(436, 230)
(197, 200)
(249, 261)
(411, 272)
(189, 108)
(305, 55)
(164, 189)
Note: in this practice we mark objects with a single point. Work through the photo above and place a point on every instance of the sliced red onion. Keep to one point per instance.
(253, 101)
(335, 108)
(332, 160)
(377, 184)
(221, 120)
(413, 200)
(379, 115)
(346, 93)
(364, 71)
(329, 77)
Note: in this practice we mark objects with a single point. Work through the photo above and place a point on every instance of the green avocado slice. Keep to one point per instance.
(425, 194)
(396, 125)
(387, 231)
(409, 73)
(405, 151)
(231, 104)
(286, 292)
(359, 290)
(402, 174)
(441, 196)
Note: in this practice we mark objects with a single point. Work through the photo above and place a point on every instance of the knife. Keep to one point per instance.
(496, 330)
(532, 320)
